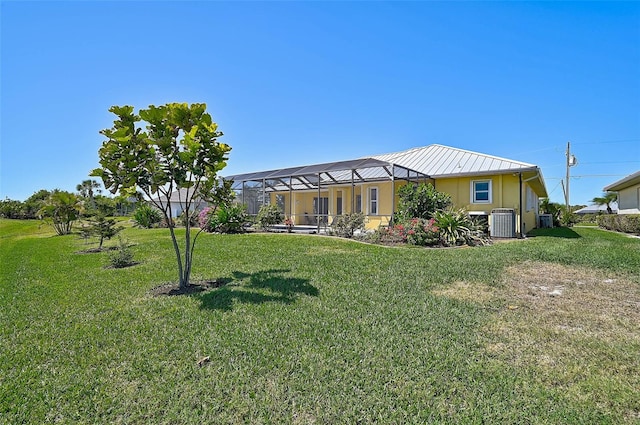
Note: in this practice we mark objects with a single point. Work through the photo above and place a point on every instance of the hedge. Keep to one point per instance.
(626, 223)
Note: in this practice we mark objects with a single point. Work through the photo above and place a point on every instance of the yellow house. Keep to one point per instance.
(505, 191)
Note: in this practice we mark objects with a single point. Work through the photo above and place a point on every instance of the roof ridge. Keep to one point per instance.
(500, 158)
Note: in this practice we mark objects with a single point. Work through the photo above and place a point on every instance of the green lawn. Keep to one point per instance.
(311, 329)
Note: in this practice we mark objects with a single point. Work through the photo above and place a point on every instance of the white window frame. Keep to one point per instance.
(373, 203)
(474, 199)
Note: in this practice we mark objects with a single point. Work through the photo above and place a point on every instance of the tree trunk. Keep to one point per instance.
(181, 278)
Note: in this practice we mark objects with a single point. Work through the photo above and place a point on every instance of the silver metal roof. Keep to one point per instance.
(624, 183)
(433, 161)
(444, 161)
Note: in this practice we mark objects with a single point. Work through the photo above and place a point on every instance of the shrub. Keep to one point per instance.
(390, 235)
(146, 216)
(268, 216)
(122, 255)
(422, 232)
(626, 223)
(457, 228)
(12, 209)
(420, 201)
(60, 210)
(567, 218)
(346, 224)
(224, 219)
(192, 217)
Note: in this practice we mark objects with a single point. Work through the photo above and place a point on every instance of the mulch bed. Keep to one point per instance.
(170, 289)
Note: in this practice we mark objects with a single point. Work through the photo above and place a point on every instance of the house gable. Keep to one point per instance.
(628, 190)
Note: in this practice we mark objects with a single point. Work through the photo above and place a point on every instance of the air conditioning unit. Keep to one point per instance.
(503, 223)
(545, 221)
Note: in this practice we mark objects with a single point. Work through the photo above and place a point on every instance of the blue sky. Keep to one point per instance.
(295, 83)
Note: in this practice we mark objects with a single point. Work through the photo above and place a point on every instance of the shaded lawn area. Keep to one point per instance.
(309, 329)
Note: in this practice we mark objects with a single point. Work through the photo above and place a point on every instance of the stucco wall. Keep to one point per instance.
(629, 200)
(505, 193)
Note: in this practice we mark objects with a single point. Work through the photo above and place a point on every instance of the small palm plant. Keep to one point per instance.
(606, 199)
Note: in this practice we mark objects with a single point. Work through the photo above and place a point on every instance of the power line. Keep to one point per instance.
(607, 142)
(611, 162)
(599, 175)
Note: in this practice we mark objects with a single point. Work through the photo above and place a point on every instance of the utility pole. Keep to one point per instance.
(571, 161)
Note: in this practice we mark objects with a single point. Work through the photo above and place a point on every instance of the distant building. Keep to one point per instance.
(597, 209)
(628, 190)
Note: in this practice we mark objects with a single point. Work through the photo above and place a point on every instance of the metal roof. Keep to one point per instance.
(444, 161)
(359, 170)
(433, 161)
(624, 183)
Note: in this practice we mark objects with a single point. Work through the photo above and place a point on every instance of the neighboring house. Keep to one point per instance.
(628, 193)
(504, 191)
(177, 202)
(597, 209)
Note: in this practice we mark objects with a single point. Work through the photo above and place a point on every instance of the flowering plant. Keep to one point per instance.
(288, 222)
(422, 232)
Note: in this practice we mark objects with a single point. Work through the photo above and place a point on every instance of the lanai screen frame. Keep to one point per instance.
(314, 177)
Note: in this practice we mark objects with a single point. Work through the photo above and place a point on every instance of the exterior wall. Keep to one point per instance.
(177, 208)
(629, 200)
(505, 193)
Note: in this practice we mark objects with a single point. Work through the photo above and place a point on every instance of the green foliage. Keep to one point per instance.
(346, 224)
(224, 219)
(567, 217)
(60, 210)
(626, 223)
(422, 232)
(191, 216)
(417, 231)
(178, 150)
(12, 209)
(146, 216)
(103, 228)
(420, 201)
(269, 215)
(122, 256)
(87, 189)
(36, 201)
(457, 228)
(606, 199)
(105, 205)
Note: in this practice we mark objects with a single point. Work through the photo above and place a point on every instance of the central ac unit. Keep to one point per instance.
(503, 223)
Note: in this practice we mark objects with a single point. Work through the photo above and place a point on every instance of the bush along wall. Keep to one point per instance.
(625, 223)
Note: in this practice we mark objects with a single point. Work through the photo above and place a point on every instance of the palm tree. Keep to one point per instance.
(606, 199)
(86, 190)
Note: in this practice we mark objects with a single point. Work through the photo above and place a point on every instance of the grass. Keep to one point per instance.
(310, 329)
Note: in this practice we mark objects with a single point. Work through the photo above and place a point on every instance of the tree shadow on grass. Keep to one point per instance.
(261, 287)
(556, 232)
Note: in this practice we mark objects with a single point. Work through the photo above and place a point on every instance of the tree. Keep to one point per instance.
(34, 203)
(178, 150)
(103, 228)
(86, 189)
(606, 199)
(61, 209)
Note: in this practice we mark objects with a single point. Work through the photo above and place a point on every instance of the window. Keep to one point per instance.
(323, 209)
(358, 203)
(532, 200)
(339, 203)
(481, 192)
(280, 202)
(373, 200)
